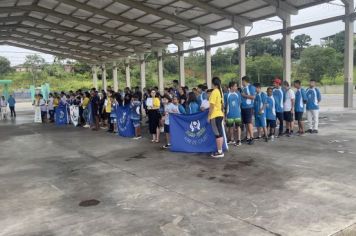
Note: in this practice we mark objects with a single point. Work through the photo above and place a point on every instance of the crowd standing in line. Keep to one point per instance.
(239, 108)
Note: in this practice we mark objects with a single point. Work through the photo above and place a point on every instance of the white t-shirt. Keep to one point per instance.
(50, 104)
(169, 108)
(289, 95)
(205, 104)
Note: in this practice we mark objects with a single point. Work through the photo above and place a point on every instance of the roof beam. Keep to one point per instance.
(282, 6)
(212, 9)
(123, 19)
(43, 50)
(44, 45)
(164, 15)
(72, 47)
(67, 38)
(66, 28)
(87, 23)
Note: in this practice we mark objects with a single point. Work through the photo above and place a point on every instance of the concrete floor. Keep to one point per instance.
(295, 186)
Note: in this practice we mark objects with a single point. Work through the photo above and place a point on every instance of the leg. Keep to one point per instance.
(310, 119)
(239, 132)
(316, 119)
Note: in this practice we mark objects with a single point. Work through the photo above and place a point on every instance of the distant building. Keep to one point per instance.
(21, 68)
(329, 39)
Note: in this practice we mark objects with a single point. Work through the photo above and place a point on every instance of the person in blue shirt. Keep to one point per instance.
(232, 102)
(201, 94)
(11, 101)
(260, 104)
(313, 99)
(192, 106)
(135, 116)
(278, 95)
(300, 100)
(271, 113)
(248, 95)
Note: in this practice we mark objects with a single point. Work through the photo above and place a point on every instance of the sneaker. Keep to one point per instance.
(238, 143)
(231, 142)
(258, 138)
(250, 141)
(266, 139)
(217, 155)
(136, 138)
(315, 131)
(166, 146)
(309, 131)
(272, 138)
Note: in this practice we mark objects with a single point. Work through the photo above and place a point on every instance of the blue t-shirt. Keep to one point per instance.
(232, 103)
(260, 101)
(300, 98)
(11, 101)
(278, 95)
(192, 108)
(201, 97)
(313, 98)
(135, 110)
(181, 109)
(248, 90)
(271, 108)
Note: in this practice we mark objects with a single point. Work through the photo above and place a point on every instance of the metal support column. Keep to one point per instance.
(142, 71)
(348, 54)
(127, 73)
(95, 76)
(160, 71)
(103, 77)
(181, 64)
(241, 29)
(207, 50)
(287, 49)
(114, 75)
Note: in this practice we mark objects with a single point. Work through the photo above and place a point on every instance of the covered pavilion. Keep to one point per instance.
(107, 31)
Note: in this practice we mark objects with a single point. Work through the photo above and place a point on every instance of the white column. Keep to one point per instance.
(95, 77)
(349, 54)
(103, 78)
(242, 50)
(208, 76)
(114, 75)
(287, 50)
(160, 71)
(127, 73)
(142, 71)
(181, 64)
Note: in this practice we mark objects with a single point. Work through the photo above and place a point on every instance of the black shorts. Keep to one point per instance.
(299, 116)
(217, 125)
(271, 123)
(246, 115)
(288, 116)
(166, 129)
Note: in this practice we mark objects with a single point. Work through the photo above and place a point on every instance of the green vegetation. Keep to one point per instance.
(264, 62)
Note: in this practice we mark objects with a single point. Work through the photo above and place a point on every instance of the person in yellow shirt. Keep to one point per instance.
(153, 104)
(216, 116)
(85, 114)
(108, 111)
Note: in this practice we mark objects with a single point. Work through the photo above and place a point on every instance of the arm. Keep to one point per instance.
(318, 95)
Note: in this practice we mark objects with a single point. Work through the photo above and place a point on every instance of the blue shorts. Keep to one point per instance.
(136, 123)
(260, 121)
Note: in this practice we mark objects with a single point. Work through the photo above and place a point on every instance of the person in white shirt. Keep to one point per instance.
(288, 107)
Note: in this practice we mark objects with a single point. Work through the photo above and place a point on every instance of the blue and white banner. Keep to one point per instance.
(61, 115)
(124, 122)
(74, 115)
(192, 133)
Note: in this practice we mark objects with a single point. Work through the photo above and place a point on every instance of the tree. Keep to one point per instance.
(4, 65)
(258, 47)
(264, 68)
(35, 64)
(317, 61)
(302, 41)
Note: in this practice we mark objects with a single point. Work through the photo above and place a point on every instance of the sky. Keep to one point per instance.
(17, 55)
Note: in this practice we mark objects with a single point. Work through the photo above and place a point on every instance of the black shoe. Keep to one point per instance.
(217, 155)
(250, 141)
(266, 139)
(309, 131)
(257, 138)
(166, 146)
(315, 131)
(238, 143)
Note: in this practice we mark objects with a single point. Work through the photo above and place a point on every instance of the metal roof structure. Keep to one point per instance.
(103, 30)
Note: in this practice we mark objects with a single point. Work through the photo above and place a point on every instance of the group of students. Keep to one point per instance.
(279, 104)
(234, 106)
